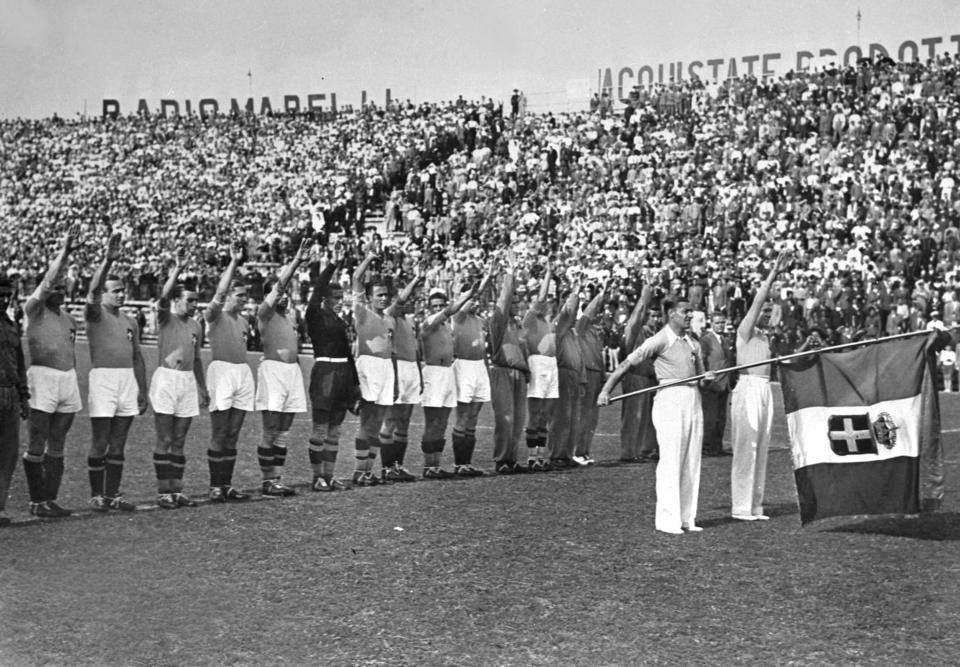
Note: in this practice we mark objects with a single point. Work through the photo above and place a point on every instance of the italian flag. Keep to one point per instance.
(860, 422)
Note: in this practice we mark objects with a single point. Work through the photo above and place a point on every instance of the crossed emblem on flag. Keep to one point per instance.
(855, 434)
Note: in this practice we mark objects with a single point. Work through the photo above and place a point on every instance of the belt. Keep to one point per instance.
(332, 360)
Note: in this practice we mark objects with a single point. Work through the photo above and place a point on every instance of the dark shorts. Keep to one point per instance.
(333, 385)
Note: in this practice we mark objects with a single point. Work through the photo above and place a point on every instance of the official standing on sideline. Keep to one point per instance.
(677, 416)
(52, 379)
(118, 382)
(752, 408)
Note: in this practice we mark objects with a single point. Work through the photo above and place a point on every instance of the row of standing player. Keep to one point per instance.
(385, 374)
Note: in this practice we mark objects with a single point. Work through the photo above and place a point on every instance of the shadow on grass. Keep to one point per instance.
(929, 526)
(773, 511)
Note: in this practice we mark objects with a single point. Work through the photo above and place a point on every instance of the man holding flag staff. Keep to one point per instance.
(752, 407)
(677, 416)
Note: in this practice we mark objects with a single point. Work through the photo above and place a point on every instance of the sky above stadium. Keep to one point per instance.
(65, 57)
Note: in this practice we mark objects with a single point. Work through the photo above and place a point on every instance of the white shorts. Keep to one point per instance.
(174, 393)
(473, 380)
(376, 379)
(280, 387)
(113, 393)
(544, 377)
(439, 387)
(408, 382)
(230, 386)
(53, 390)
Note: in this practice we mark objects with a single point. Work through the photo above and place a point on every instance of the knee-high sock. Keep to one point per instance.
(161, 466)
(280, 449)
(95, 470)
(215, 461)
(178, 463)
(265, 453)
(53, 474)
(229, 462)
(114, 473)
(34, 472)
(362, 454)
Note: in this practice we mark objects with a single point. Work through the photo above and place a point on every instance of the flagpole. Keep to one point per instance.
(778, 360)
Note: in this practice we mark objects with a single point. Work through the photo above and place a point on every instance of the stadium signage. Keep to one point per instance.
(208, 106)
(622, 80)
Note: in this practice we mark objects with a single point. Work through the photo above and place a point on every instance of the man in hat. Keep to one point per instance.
(14, 395)
(229, 379)
(117, 380)
(178, 388)
(280, 395)
(52, 378)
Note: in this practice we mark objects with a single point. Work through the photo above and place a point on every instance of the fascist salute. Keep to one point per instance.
(52, 380)
(439, 378)
(117, 380)
(280, 393)
(333, 379)
(178, 389)
(229, 380)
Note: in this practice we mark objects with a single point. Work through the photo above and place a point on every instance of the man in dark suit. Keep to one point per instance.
(718, 352)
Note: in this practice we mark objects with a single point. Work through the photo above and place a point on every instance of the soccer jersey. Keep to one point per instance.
(228, 334)
(50, 336)
(278, 334)
(179, 340)
(111, 335)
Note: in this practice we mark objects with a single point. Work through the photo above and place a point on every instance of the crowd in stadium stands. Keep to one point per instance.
(693, 189)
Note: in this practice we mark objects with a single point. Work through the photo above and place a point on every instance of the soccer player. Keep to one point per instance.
(508, 375)
(229, 379)
(178, 389)
(280, 393)
(473, 381)
(374, 367)
(396, 421)
(590, 338)
(52, 379)
(118, 382)
(439, 380)
(333, 379)
(570, 381)
(14, 396)
(543, 389)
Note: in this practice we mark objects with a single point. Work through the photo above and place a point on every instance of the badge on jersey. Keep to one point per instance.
(130, 335)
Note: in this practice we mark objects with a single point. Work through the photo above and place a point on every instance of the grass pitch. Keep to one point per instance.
(560, 568)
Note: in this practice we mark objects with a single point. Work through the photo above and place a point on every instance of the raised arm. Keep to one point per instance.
(745, 330)
(590, 312)
(179, 260)
(286, 274)
(215, 307)
(509, 284)
(568, 313)
(320, 281)
(52, 276)
(545, 287)
(635, 322)
(95, 293)
(362, 269)
(405, 294)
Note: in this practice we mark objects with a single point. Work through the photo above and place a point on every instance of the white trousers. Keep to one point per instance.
(751, 414)
(678, 418)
